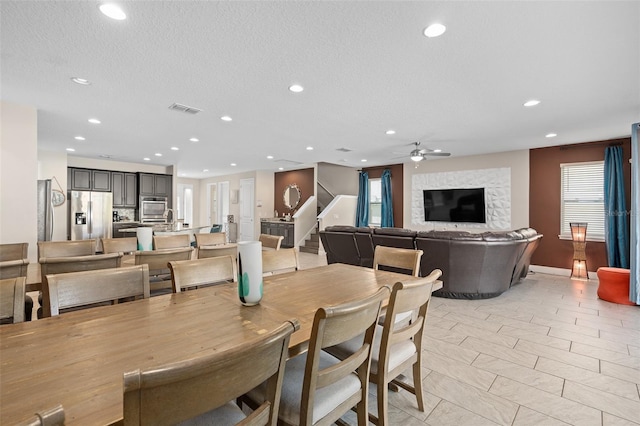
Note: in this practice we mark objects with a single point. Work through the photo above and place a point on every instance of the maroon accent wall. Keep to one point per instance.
(544, 200)
(304, 178)
(397, 182)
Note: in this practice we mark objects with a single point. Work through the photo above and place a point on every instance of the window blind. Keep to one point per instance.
(583, 197)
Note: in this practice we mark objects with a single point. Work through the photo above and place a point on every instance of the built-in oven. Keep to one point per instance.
(152, 209)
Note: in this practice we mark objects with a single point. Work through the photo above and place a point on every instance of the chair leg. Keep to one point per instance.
(383, 400)
(417, 385)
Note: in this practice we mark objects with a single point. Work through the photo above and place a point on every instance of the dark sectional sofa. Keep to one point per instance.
(474, 266)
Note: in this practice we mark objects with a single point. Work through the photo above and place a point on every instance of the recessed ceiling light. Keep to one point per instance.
(175, 148)
(364, 160)
(309, 148)
(194, 140)
(70, 149)
(226, 118)
(147, 159)
(205, 170)
(434, 30)
(79, 80)
(437, 150)
(233, 164)
(113, 11)
(550, 135)
(94, 121)
(280, 168)
(270, 157)
(79, 138)
(532, 102)
(296, 88)
(157, 154)
(390, 132)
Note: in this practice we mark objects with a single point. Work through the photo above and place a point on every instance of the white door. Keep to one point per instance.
(223, 202)
(247, 195)
(212, 206)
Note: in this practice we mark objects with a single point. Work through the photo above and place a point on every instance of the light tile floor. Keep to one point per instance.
(546, 352)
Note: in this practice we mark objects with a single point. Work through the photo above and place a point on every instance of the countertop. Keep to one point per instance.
(276, 220)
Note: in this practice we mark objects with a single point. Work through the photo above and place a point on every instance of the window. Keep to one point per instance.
(582, 200)
(375, 202)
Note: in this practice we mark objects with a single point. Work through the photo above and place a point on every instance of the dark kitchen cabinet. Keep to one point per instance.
(89, 180)
(155, 185)
(124, 189)
(285, 229)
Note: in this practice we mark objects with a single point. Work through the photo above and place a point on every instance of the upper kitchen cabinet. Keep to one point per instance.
(89, 180)
(155, 185)
(124, 187)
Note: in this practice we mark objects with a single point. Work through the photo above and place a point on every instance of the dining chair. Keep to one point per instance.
(271, 241)
(58, 265)
(217, 251)
(87, 288)
(14, 263)
(117, 245)
(51, 417)
(210, 239)
(12, 297)
(158, 262)
(400, 259)
(398, 344)
(163, 242)
(186, 274)
(278, 261)
(66, 248)
(200, 390)
(319, 388)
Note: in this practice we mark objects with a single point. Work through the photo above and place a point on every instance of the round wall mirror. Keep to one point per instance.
(292, 196)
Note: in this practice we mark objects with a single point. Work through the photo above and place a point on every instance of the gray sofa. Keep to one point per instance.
(474, 266)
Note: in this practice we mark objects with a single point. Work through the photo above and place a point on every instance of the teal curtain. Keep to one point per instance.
(615, 219)
(387, 200)
(634, 284)
(362, 209)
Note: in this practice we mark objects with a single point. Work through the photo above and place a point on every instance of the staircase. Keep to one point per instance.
(312, 244)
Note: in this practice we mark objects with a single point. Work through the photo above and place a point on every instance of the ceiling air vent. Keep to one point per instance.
(344, 150)
(184, 108)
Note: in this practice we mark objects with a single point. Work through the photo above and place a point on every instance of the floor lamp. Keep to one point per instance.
(579, 238)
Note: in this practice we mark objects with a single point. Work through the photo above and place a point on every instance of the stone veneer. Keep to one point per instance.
(497, 184)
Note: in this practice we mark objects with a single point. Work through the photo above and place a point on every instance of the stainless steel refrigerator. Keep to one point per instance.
(45, 211)
(90, 216)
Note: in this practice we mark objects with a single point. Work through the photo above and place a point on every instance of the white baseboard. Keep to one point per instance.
(557, 271)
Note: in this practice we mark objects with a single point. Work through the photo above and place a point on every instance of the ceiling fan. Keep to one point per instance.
(418, 154)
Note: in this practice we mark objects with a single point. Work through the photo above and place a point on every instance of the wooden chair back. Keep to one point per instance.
(217, 251)
(186, 389)
(210, 239)
(13, 251)
(331, 326)
(398, 258)
(119, 245)
(163, 242)
(66, 248)
(59, 265)
(271, 241)
(202, 272)
(12, 295)
(277, 261)
(76, 289)
(51, 417)
(158, 260)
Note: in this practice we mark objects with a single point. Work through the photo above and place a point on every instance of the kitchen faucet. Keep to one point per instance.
(173, 216)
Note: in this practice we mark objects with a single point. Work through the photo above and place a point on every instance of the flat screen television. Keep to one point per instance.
(454, 205)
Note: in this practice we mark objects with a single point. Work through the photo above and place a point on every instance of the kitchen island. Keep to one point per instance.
(168, 229)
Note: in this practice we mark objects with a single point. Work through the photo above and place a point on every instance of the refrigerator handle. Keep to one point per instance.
(89, 218)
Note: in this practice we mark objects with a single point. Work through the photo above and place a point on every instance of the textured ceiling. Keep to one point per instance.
(365, 66)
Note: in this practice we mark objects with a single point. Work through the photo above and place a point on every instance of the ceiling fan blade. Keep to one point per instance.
(437, 154)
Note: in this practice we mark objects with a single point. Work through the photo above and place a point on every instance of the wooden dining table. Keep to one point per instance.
(78, 359)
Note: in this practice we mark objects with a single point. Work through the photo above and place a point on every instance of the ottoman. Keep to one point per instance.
(614, 285)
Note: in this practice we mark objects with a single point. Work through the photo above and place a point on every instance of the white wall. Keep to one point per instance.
(517, 161)
(53, 165)
(18, 175)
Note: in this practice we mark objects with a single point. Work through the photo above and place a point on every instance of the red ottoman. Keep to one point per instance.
(614, 285)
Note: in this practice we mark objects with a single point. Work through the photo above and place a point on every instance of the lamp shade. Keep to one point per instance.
(578, 231)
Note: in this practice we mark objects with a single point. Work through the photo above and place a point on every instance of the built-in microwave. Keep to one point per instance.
(152, 209)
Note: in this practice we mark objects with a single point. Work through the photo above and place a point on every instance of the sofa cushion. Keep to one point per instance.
(340, 228)
(400, 232)
(501, 236)
(450, 235)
